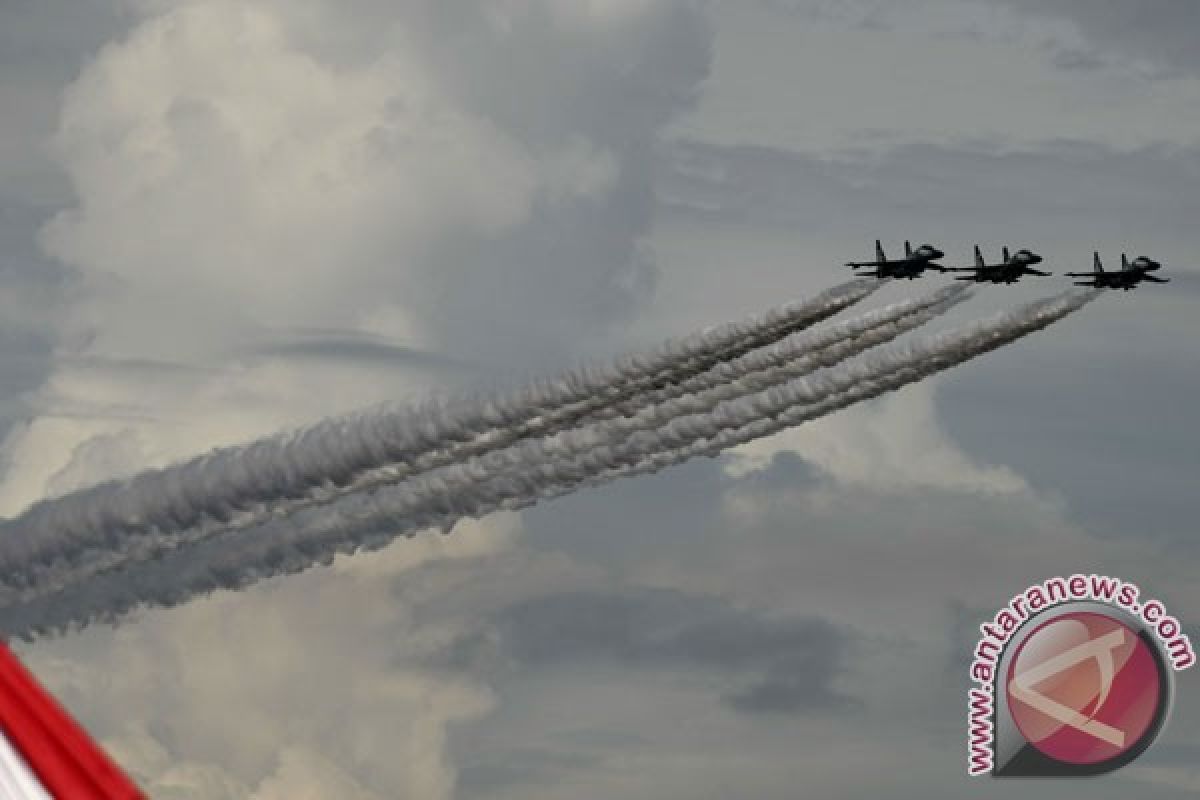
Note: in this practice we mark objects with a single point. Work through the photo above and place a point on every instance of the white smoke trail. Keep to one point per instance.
(219, 486)
(69, 559)
(593, 455)
(367, 521)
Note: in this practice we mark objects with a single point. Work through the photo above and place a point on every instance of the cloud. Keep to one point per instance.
(410, 170)
(895, 444)
(615, 649)
(299, 208)
(573, 100)
(786, 665)
(189, 183)
(317, 683)
(1050, 193)
(921, 81)
(305, 775)
(1021, 414)
(350, 346)
(386, 189)
(1156, 31)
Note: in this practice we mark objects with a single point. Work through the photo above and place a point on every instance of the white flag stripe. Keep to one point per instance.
(17, 781)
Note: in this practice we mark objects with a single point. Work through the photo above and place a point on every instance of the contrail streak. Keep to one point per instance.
(246, 479)
(370, 521)
(593, 455)
(786, 360)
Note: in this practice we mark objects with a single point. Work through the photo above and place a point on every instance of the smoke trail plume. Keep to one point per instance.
(593, 455)
(68, 559)
(371, 520)
(219, 486)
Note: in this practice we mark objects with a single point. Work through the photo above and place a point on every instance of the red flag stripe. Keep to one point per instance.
(51, 759)
(62, 755)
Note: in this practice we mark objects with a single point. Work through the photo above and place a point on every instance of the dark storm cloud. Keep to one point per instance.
(784, 665)
(1160, 31)
(42, 46)
(54, 36)
(29, 283)
(674, 508)
(801, 555)
(1112, 430)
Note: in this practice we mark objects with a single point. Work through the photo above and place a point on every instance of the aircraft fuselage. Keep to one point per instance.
(1124, 279)
(1000, 273)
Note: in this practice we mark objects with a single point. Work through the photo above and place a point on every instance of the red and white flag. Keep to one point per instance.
(45, 754)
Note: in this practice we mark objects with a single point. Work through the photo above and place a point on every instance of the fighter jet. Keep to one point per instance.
(1128, 277)
(911, 266)
(1010, 270)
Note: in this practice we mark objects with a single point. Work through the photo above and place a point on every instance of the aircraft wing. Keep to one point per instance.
(44, 753)
(1032, 271)
(1155, 279)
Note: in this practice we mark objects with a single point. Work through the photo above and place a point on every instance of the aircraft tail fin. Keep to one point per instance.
(1125, 262)
(879, 256)
(1096, 265)
(978, 257)
(1007, 257)
(907, 249)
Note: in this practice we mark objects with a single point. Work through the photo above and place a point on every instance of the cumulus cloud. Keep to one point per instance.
(567, 100)
(226, 176)
(388, 170)
(895, 444)
(318, 683)
(241, 170)
(285, 210)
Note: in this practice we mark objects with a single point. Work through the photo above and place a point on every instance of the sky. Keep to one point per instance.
(221, 219)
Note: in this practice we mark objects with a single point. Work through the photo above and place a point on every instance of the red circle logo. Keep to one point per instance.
(1084, 688)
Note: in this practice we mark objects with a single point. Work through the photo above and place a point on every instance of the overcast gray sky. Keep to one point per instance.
(219, 219)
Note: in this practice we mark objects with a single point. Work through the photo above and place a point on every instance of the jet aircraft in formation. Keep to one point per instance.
(1011, 268)
(914, 263)
(1126, 278)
